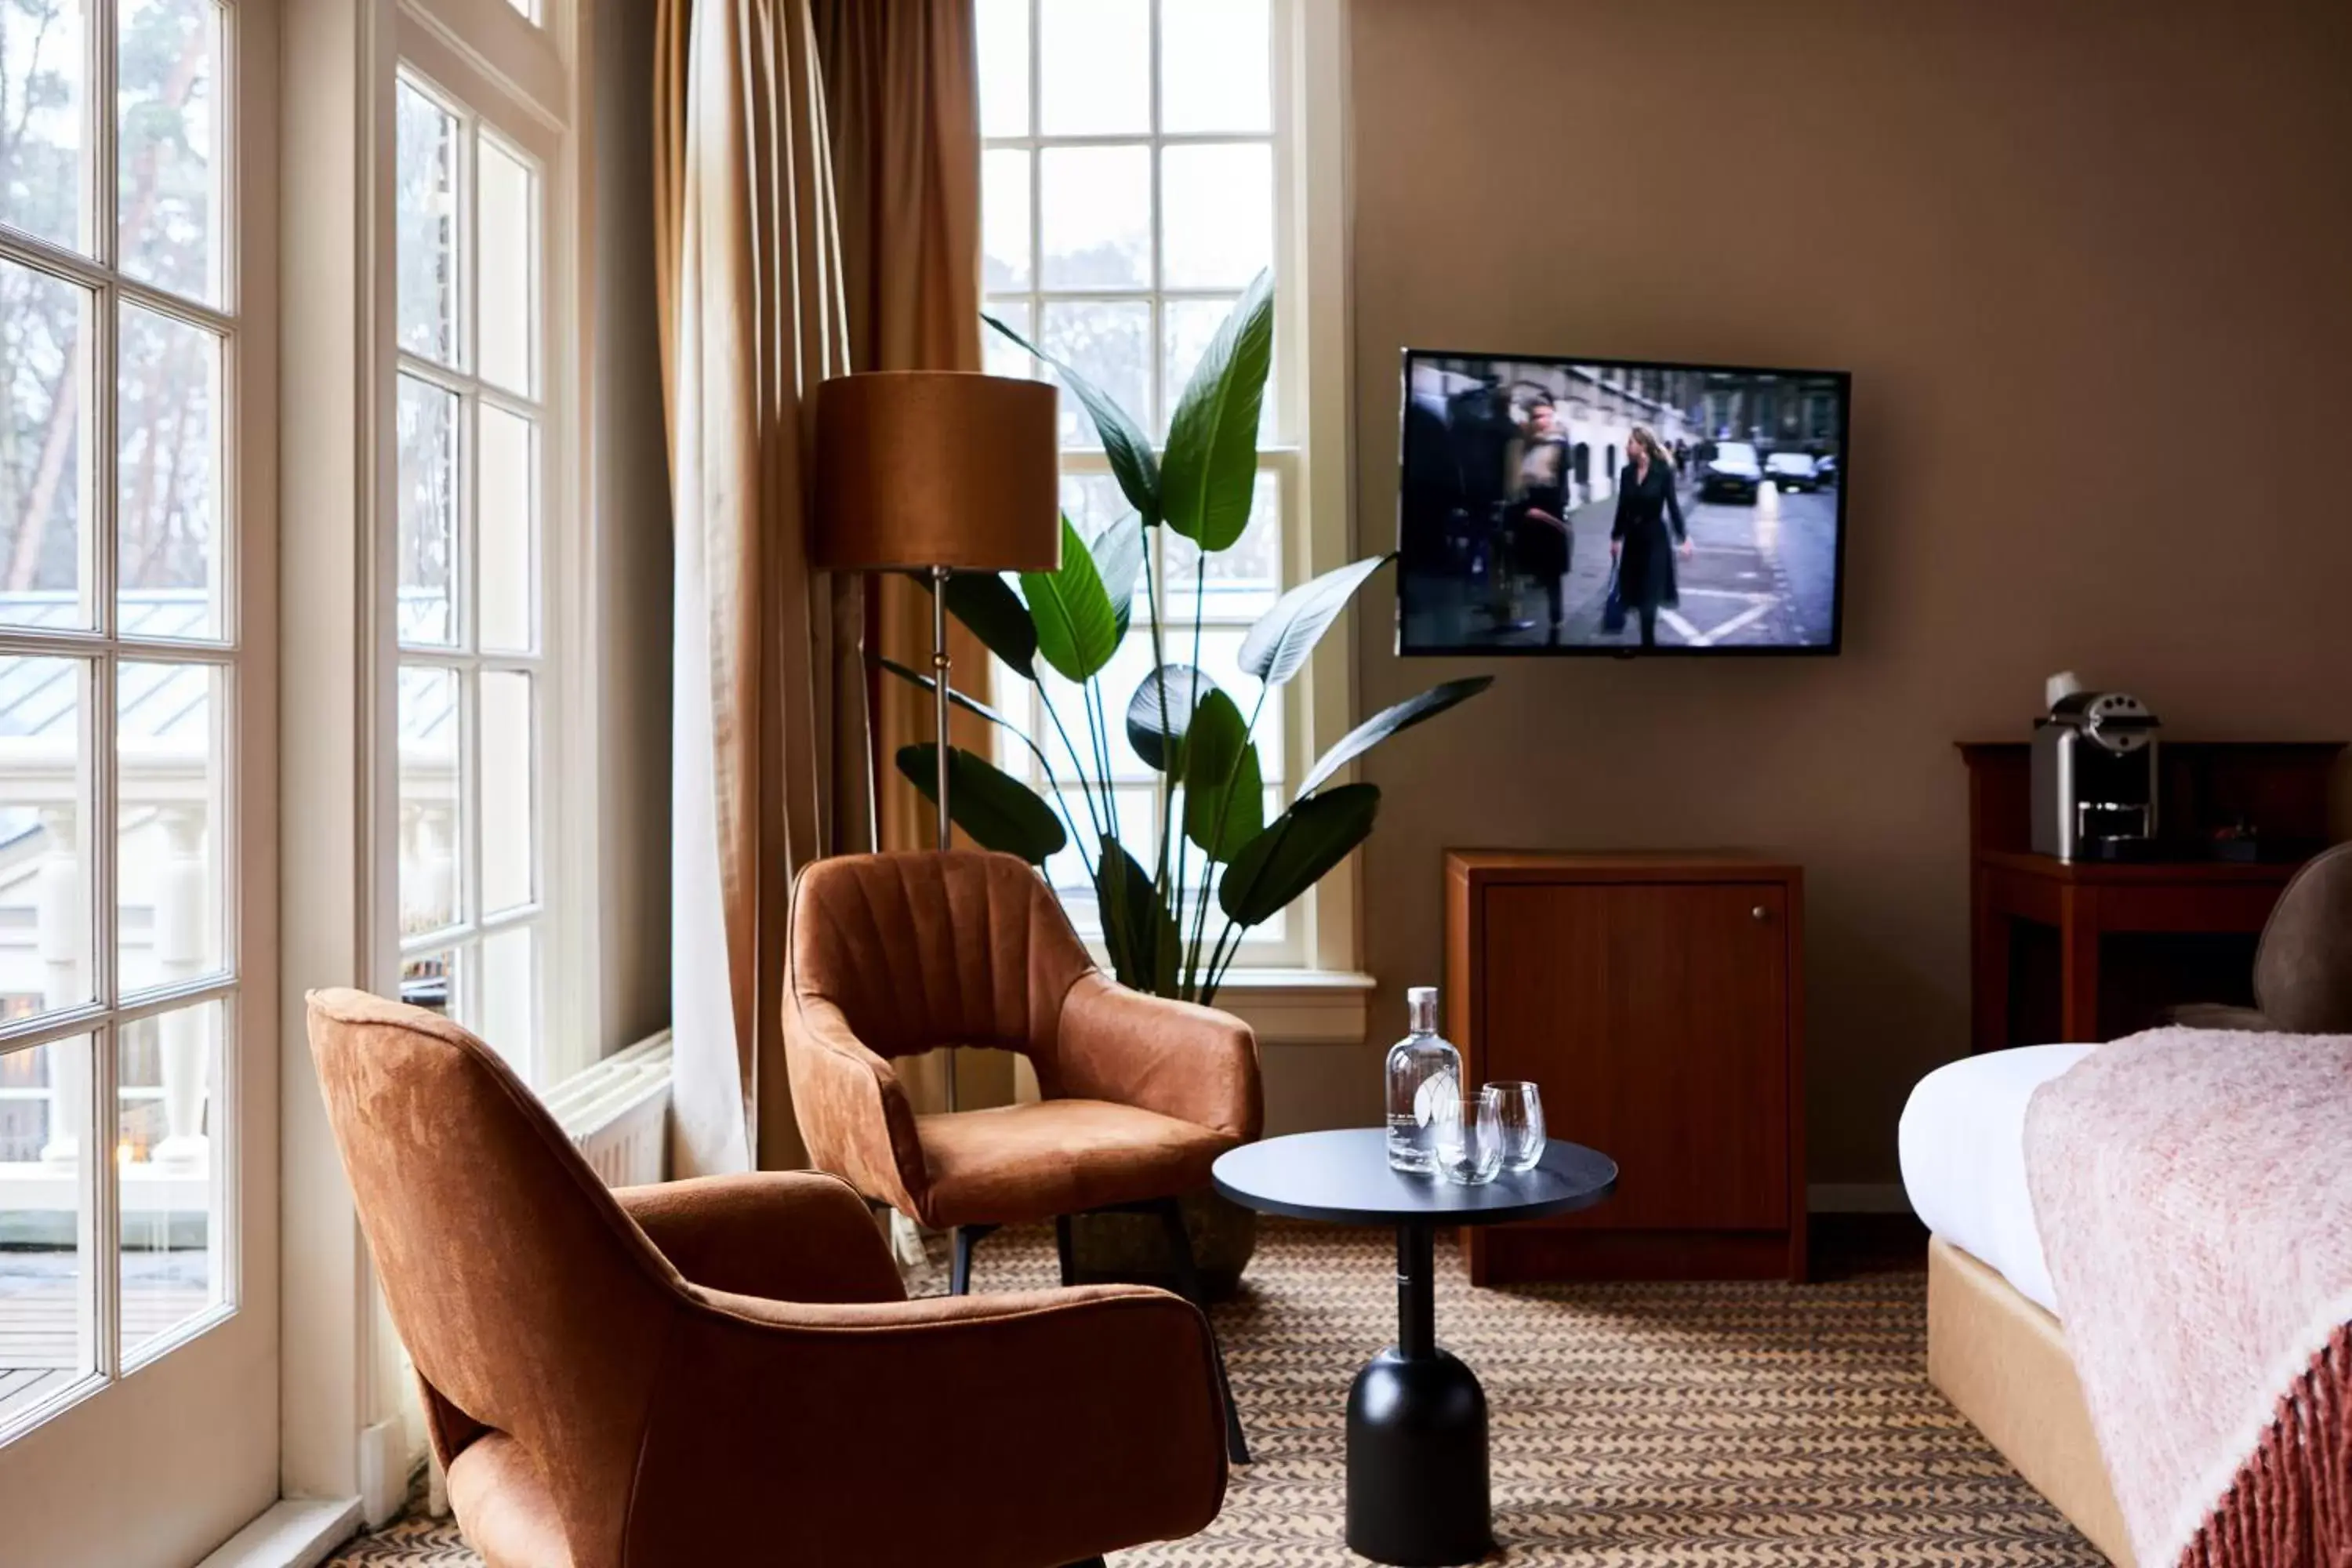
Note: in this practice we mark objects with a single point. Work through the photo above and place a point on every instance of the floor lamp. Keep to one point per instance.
(937, 472)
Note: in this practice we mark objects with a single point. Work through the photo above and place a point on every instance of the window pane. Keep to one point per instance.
(1217, 213)
(1002, 27)
(506, 524)
(430, 981)
(999, 357)
(169, 754)
(508, 1019)
(1216, 69)
(1188, 325)
(169, 1151)
(165, 51)
(1004, 219)
(506, 310)
(1245, 577)
(1097, 225)
(49, 1317)
(1094, 65)
(41, 80)
(43, 820)
(166, 463)
(1110, 345)
(430, 723)
(44, 486)
(427, 420)
(507, 789)
(1119, 678)
(425, 212)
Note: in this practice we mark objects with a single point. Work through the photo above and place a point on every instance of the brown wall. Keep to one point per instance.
(2091, 266)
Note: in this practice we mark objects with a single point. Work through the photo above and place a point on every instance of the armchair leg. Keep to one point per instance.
(966, 1238)
(1188, 1285)
(1065, 1245)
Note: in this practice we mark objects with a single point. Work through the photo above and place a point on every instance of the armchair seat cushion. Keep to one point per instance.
(1014, 1163)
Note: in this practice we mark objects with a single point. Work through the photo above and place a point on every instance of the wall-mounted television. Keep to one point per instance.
(1591, 506)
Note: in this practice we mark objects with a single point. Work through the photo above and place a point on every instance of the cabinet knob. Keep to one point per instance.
(1759, 914)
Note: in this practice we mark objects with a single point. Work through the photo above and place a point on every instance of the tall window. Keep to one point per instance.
(1129, 193)
(118, 659)
(471, 608)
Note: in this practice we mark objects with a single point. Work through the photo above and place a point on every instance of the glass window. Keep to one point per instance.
(116, 474)
(470, 602)
(1118, 227)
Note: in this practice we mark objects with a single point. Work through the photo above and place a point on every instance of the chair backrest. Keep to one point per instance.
(530, 1302)
(928, 948)
(2303, 971)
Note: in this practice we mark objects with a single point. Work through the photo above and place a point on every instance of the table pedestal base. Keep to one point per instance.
(1417, 1435)
(1417, 1462)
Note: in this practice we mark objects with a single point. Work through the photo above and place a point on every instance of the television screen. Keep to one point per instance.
(1578, 506)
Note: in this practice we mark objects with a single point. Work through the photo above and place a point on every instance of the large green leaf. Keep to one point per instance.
(1295, 851)
(1278, 645)
(995, 809)
(1210, 472)
(1118, 561)
(1077, 630)
(1387, 722)
(969, 704)
(1138, 931)
(990, 609)
(1160, 712)
(1124, 442)
(1219, 820)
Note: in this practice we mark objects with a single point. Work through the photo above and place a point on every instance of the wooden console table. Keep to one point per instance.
(2279, 788)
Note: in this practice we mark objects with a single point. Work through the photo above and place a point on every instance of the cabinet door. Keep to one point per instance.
(1655, 1016)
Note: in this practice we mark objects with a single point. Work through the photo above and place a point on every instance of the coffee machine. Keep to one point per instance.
(2094, 772)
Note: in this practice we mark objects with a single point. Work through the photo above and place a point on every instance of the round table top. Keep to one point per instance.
(1343, 1177)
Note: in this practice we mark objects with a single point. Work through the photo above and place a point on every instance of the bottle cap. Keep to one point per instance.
(1421, 1007)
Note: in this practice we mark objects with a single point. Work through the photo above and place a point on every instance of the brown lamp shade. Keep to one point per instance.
(936, 468)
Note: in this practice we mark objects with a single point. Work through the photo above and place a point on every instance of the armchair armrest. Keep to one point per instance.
(1041, 1429)
(1178, 1058)
(852, 1113)
(794, 1236)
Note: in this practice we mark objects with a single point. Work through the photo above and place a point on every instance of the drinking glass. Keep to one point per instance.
(1523, 1124)
(1470, 1138)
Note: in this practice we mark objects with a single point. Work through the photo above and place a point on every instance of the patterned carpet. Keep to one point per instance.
(1632, 1424)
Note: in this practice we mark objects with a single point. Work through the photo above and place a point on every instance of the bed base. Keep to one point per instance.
(2002, 1361)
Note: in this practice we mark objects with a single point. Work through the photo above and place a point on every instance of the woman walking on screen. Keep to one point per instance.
(1638, 540)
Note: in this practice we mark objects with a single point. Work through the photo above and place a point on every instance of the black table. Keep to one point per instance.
(1417, 1491)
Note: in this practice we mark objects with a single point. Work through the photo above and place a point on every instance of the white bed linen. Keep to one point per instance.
(1962, 1143)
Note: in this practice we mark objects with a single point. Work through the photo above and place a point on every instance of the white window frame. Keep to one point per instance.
(240, 731)
(512, 79)
(1308, 985)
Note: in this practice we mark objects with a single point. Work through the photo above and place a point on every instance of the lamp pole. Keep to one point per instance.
(940, 689)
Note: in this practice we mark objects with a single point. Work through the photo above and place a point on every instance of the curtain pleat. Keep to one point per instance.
(902, 99)
(769, 752)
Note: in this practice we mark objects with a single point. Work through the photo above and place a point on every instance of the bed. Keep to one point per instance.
(1995, 1346)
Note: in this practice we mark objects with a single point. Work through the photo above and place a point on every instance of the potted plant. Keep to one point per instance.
(1179, 723)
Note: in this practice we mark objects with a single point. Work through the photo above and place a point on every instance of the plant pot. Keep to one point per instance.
(1133, 1248)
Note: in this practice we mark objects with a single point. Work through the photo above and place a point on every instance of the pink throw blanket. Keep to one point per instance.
(2194, 1195)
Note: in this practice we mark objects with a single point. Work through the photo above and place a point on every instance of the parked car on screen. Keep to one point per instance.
(1825, 469)
(1731, 474)
(1792, 471)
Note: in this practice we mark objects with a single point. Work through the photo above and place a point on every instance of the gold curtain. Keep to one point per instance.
(901, 86)
(770, 749)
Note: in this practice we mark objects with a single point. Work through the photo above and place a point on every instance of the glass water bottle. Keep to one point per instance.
(1424, 1072)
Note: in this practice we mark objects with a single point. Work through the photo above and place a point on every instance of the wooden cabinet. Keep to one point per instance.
(1657, 1002)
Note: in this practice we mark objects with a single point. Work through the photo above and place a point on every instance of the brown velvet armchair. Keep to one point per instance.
(726, 1371)
(893, 955)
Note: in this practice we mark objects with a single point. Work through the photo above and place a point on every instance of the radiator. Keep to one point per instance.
(617, 1112)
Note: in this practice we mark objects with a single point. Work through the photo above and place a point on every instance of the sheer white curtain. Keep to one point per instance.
(769, 760)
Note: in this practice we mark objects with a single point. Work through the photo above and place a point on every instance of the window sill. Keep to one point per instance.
(1300, 1006)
